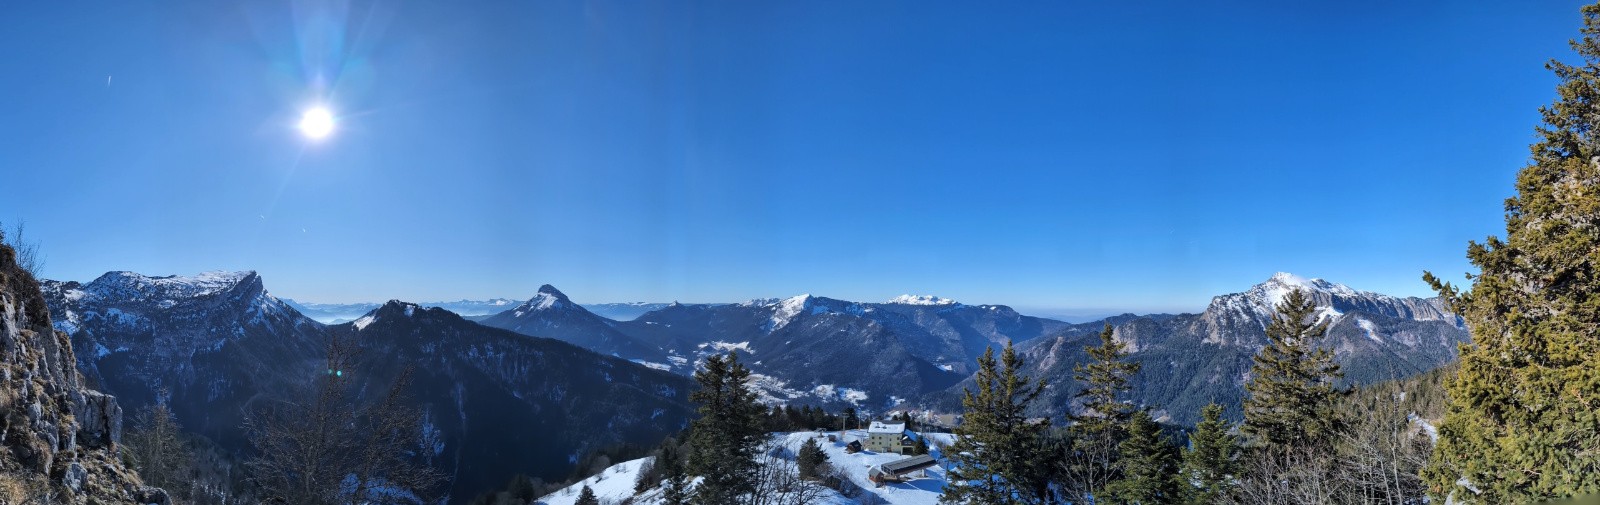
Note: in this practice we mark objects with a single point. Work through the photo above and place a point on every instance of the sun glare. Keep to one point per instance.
(316, 123)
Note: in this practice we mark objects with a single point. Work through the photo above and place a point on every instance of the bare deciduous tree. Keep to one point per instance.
(778, 482)
(28, 256)
(333, 448)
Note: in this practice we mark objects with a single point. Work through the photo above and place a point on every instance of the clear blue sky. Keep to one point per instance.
(1090, 156)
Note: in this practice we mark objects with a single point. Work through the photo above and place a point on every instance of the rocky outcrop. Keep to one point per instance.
(58, 438)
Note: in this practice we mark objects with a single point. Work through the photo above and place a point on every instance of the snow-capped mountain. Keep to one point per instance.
(335, 313)
(1191, 359)
(503, 403)
(549, 313)
(205, 344)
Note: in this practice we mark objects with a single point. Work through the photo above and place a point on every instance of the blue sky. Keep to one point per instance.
(1054, 156)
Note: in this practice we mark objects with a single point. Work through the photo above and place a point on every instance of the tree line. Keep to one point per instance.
(1294, 446)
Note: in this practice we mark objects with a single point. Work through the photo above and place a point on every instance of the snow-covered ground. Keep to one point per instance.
(616, 483)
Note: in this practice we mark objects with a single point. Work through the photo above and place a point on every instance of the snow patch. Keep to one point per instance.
(1370, 329)
(361, 324)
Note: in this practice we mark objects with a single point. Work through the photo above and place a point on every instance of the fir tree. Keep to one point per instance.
(1090, 462)
(674, 482)
(811, 459)
(1291, 394)
(997, 455)
(724, 441)
(587, 497)
(851, 420)
(1209, 462)
(1148, 464)
(1523, 419)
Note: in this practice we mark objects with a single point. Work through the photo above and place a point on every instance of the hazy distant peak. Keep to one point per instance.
(920, 300)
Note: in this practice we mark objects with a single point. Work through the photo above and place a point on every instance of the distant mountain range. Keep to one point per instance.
(1189, 360)
(335, 313)
(214, 346)
(532, 385)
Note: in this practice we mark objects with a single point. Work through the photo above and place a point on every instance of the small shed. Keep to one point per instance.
(853, 447)
(896, 471)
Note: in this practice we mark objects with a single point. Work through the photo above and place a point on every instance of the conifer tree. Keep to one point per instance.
(1209, 462)
(998, 452)
(587, 497)
(1091, 460)
(1148, 464)
(811, 459)
(674, 483)
(1291, 394)
(724, 441)
(1523, 419)
(851, 420)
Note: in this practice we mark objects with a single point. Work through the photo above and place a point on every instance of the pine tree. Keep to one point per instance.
(587, 497)
(851, 420)
(1209, 462)
(1523, 420)
(811, 459)
(1291, 394)
(997, 455)
(724, 441)
(674, 483)
(1148, 464)
(1090, 462)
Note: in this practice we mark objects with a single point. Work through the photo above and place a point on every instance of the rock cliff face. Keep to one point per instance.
(58, 439)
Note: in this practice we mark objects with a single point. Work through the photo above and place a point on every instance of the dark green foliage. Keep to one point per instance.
(725, 439)
(998, 455)
(1210, 460)
(587, 497)
(674, 478)
(1148, 464)
(1291, 388)
(921, 447)
(1090, 461)
(1523, 422)
(811, 459)
(851, 419)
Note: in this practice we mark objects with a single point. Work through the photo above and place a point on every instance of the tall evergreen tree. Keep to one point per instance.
(587, 497)
(1209, 462)
(851, 420)
(1148, 464)
(724, 441)
(674, 482)
(1091, 459)
(998, 453)
(1291, 394)
(1523, 420)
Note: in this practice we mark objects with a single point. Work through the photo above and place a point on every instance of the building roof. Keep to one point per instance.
(878, 427)
(908, 465)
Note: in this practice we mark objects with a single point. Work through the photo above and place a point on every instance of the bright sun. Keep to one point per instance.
(316, 123)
